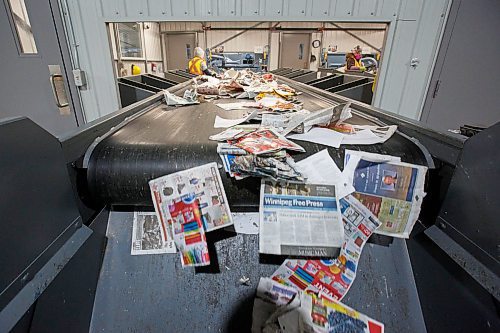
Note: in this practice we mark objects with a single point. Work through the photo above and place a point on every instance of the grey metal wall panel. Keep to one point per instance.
(296, 7)
(160, 8)
(183, 8)
(273, 8)
(366, 7)
(226, 7)
(320, 8)
(250, 8)
(388, 7)
(468, 91)
(136, 7)
(343, 7)
(410, 9)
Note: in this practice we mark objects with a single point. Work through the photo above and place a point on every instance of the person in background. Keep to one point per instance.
(353, 60)
(198, 65)
(357, 53)
(351, 63)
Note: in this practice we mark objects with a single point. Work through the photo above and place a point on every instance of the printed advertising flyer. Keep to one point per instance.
(185, 199)
(332, 278)
(322, 316)
(393, 191)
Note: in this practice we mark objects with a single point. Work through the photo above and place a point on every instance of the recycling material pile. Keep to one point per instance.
(313, 212)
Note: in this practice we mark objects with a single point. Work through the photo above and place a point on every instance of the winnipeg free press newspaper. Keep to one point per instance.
(299, 219)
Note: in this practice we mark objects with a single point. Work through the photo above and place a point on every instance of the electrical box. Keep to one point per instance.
(79, 77)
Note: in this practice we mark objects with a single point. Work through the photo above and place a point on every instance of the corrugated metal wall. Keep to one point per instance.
(415, 28)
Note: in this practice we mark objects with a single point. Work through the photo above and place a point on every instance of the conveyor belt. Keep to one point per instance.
(165, 139)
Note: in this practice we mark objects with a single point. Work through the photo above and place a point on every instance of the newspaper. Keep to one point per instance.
(285, 123)
(234, 132)
(172, 99)
(299, 219)
(228, 134)
(322, 316)
(227, 148)
(193, 195)
(328, 115)
(278, 166)
(367, 156)
(392, 190)
(265, 141)
(333, 278)
(148, 235)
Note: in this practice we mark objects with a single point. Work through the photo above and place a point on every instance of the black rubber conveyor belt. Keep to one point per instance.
(166, 139)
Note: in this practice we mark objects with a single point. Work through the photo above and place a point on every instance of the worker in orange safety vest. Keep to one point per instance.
(198, 65)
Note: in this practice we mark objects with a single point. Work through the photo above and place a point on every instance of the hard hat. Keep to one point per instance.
(136, 70)
(198, 52)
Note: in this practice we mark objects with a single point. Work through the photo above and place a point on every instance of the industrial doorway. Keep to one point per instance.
(34, 71)
(180, 48)
(295, 50)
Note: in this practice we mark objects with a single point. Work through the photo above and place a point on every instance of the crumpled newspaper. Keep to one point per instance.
(191, 96)
(278, 166)
(172, 99)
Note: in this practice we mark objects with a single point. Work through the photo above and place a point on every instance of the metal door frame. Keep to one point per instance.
(165, 34)
(281, 45)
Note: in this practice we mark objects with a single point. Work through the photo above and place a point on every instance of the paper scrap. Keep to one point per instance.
(323, 136)
(225, 123)
(238, 105)
(172, 99)
(148, 235)
(320, 168)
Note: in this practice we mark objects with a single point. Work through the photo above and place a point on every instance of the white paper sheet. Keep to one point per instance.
(359, 138)
(238, 105)
(225, 123)
(367, 135)
(323, 136)
(320, 168)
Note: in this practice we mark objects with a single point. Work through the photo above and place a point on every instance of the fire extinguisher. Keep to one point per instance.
(153, 67)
